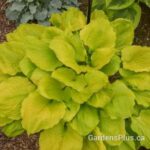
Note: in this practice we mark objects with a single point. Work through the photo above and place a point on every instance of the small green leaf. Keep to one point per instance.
(4, 121)
(113, 66)
(13, 129)
(117, 4)
(124, 31)
(132, 13)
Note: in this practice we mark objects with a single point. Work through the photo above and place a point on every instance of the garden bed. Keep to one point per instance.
(25, 142)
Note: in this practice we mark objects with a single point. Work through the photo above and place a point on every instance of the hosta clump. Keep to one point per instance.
(23, 11)
(128, 9)
(55, 80)
(147, 2)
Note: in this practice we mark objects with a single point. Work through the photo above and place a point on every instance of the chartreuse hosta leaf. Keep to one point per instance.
(72, 109)
(101, 57)
(71, 20)
(61, 137)
(124, 31)
(13, 92)
(89, 143)
(51, 89)
(143, 98)
(135, 80)
(80, 50)
(10, 57)
(97, 35)
(4, 121)
(92, 145)
(140, 125)
(98, 14)
(55, 80)
(117, 4)
(122, 102)
(100, 99)
(112, 127)
(113, 66)
(43, 113)
(125, 145)
(13, 129)
(136, 58)
(65, 53)
(37, 75)
(24, 30)
(86, 120)
(3, 77)
(41, 55)
(69, 78)
(26, 66)
(95, 80)
(50, 33)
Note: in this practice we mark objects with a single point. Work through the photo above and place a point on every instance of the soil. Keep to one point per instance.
(5, 25)
(25, 142)
(142, 33)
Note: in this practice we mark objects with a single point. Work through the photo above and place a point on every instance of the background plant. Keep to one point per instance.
(57, 81)
(147, 2)
(23, 11)
(128, 9)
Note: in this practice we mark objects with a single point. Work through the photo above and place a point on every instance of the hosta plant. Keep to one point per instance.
(128, 9)
(23, 11)
(147, 2)
(73, 80)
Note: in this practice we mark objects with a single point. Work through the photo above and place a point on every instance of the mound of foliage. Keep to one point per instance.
(23, 11)
(72, 80)
(128, 9)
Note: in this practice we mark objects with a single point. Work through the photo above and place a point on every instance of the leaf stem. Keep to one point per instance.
(89, 11)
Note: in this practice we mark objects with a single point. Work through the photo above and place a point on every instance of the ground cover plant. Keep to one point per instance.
(58, 81)
(23, 11)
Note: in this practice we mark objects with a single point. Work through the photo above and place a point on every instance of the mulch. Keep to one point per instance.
(25, 142)
(5, 25)
(22, 142)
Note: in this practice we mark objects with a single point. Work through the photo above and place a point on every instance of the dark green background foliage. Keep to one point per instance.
(24, 11)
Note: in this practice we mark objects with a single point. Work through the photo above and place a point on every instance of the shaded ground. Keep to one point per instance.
(5, 25)
(142, 34)
(23, 142)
